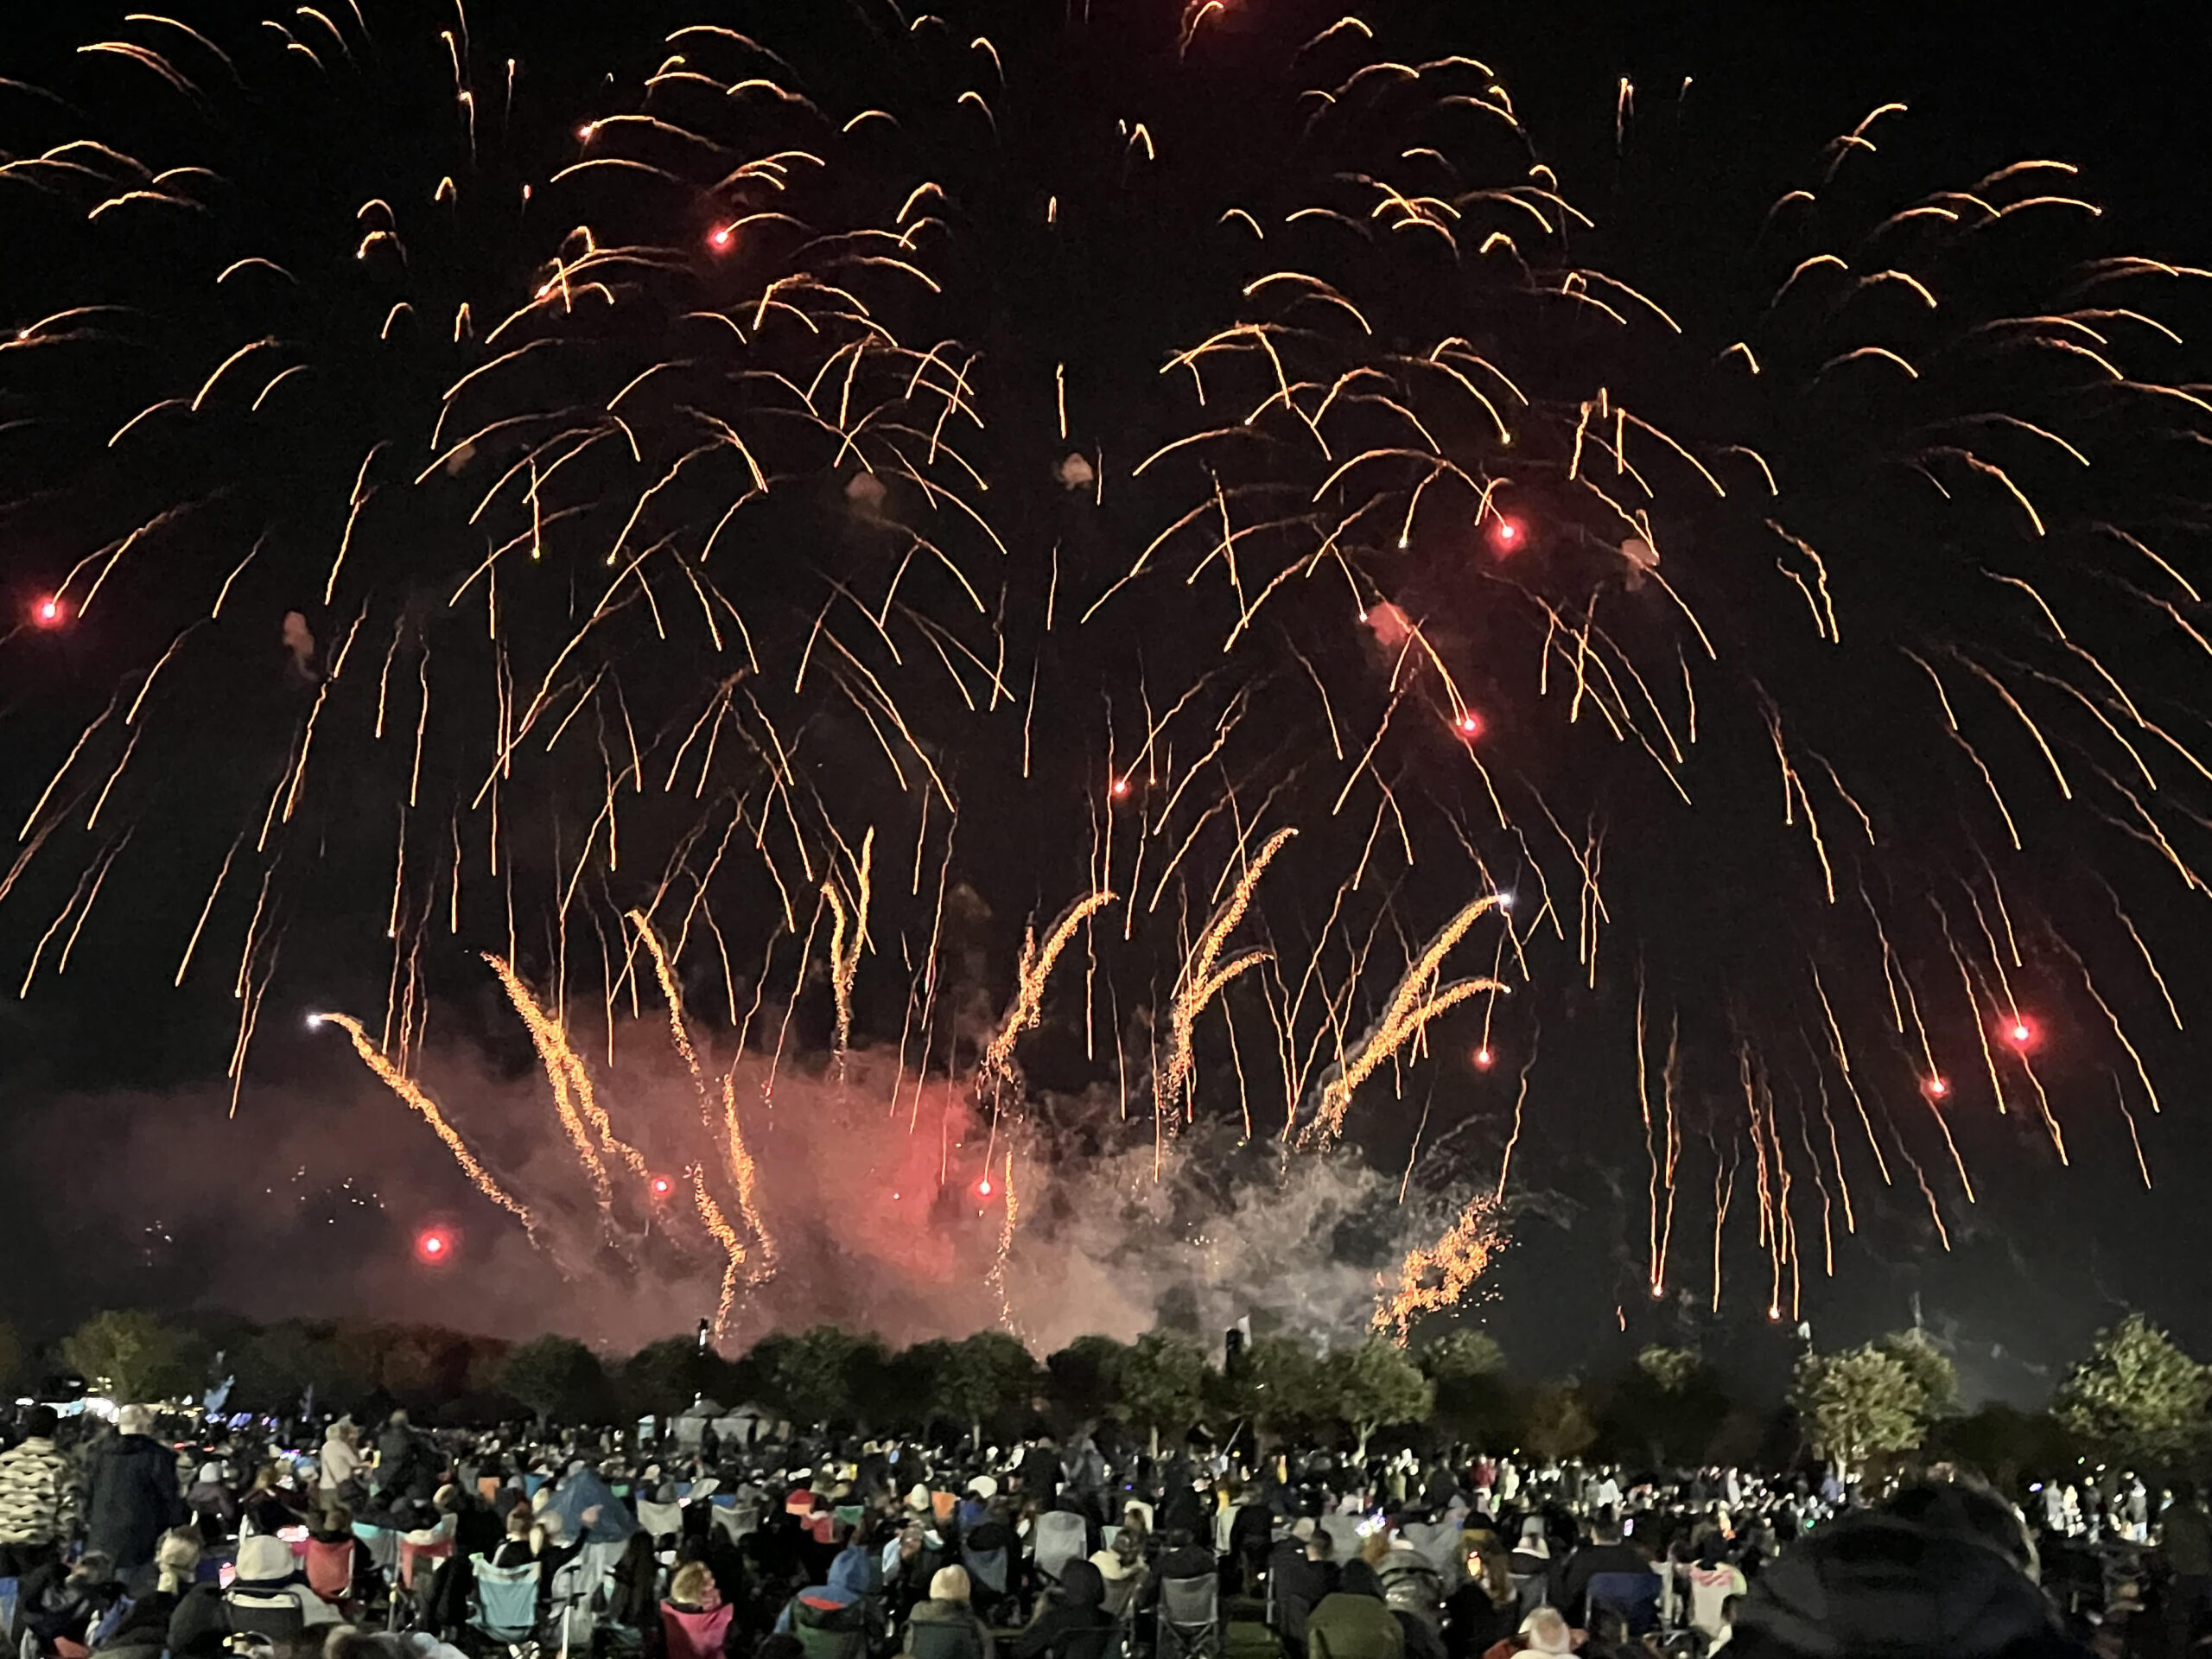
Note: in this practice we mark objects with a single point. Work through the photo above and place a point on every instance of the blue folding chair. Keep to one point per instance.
(503, 1600)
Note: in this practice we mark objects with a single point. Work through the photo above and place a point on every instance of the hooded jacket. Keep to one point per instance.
(1876, 1587)
(948, 1630)
(1355, 1621)
(131, 1498)
(1072, 1622)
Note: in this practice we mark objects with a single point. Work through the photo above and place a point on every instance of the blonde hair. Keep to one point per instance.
(692, 1584)
(177, 1557)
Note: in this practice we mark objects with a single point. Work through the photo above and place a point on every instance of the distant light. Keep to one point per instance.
(983, 1186)
(1657, 1291)
(1468, 724)
(662, 1187)
(314, 1022)
(50, 612)
(1935, 1088)
(584, 132)
(434, 1245)
(1483, 1058)
(2020, 1033)
(1774, 1313)
(1507, 533)
(719, 237)
(1505, 901)
(1121, 787)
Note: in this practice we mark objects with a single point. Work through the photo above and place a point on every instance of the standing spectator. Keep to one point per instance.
(130, 1497)
(2185, 1539)
(34, 1494)
(340, 1461)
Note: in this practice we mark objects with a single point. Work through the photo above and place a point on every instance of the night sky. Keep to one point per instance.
(123, 1176)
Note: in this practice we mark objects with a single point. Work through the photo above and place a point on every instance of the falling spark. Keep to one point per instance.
(403, 1086)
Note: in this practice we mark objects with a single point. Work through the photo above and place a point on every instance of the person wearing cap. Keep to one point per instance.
(1122, 1568)
(945, 1626)
(266, 1567)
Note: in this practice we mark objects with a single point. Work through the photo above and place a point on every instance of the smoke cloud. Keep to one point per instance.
(871, 1184)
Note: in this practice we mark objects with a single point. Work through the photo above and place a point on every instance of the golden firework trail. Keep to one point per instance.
(742, 1171)
(844, 959)
(1036, 967)
(1435, 1277)
(1202, 981)
(1412, 1006)
(1007, 1223)
(405, 1087)
(726, 1235)
(746, 1174)
(562, 1069)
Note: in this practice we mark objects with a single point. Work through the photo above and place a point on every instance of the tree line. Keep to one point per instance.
(2136, 1398)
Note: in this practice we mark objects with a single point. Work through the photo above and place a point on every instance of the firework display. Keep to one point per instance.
(760, 525)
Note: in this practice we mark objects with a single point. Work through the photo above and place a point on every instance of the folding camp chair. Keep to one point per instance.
(694, 1636)
(330, 1569)
(273, 1614)
(1060, 1537)
(1189, 1618)
(660, 1520)
(503, 1600)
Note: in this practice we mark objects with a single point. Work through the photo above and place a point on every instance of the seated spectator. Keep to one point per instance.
(1607, 1551)
(945, 1626)
(1485, 1610)
(1184, 1557)
(266, 1567)
(143, 1632)
(696, 1623)
(1071, 1621)
(1905, 1588)
(1122, 1568)
(1714, 1581)
(332, 1538)
(1545, 1630)
(1354, 1621)
(56, 1602)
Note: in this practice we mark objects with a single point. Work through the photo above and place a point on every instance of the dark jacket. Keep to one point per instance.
(131, 1498)
(1586, 1563)
(1072, 1622)
(1348, 1625)
(1300, 1584)
(947, 1630)
(405, 1466)
(1875, 1583)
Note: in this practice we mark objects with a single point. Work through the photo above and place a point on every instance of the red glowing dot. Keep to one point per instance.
(1483, 1058)
(1121, 787)
(434, 1245)
(584, 132)
(1470, 724)
(719, 236)
(1507, 533)
(49, 612)
(662, 1186)
(983, 1186)
(1774, 1313)
(2021, 1033)
(1935, 1088)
